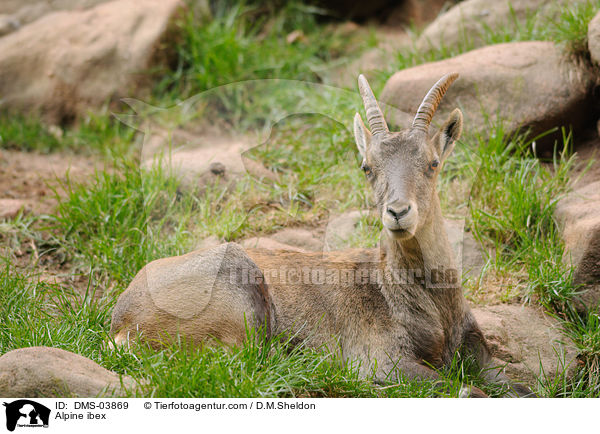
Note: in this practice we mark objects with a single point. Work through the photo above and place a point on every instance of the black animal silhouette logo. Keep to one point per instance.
(25, 412)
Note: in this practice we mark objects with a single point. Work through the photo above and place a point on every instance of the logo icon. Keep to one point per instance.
(26, 413)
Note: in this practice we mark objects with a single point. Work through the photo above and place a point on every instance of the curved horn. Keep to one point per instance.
(431, 102)
(375, 117)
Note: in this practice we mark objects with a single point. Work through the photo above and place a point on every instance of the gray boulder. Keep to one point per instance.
(66, 62)
(469, 20)
(27, 11)
(530, 85)
(186, 296)
(292, 239)
(51, 372)
(300, 238)
(341, 230)
(579, 216)
(526, 341)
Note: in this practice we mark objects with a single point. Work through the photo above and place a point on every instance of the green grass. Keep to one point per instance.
(243, 42)
(110, 226)
(27, 133)
(223, 60)
(36, 313)
(566, 25)
(570, 27)
(97, 133)
(311, 153)
(512, 205)
(124, 213)
(585, 333)
(103, 133)
(263, 368)
(144, 214)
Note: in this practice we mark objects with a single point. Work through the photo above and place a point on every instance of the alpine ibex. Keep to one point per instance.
(410, 318)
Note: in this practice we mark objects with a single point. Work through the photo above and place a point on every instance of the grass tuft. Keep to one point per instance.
(36, 313)
(27, 133)
(122, 220)
(97, 133)
(249, 41)
(570, 27)
(512, 207)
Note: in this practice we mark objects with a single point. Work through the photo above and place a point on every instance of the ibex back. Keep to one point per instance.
(397, 311)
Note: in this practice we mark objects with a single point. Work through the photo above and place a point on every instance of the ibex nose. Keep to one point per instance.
(398, 210)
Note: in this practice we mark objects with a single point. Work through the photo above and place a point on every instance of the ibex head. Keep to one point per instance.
(402, 167)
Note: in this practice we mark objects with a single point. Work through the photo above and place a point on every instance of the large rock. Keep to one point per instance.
(266, 243)
(20, 6)
(341, 230)
(579, 216)
(67, 61)
(52, 372)
(300, 238)
(293, 239)
(26, 11)
(468, 21)
(523, 339)
(528, 84)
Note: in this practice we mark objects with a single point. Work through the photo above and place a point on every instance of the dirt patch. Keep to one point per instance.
(496, 288)
(31, 176)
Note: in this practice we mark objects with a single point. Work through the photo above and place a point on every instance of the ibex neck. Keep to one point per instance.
(428, 251)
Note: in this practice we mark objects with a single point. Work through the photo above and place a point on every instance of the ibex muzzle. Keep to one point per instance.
(403, 167)
(392, 326)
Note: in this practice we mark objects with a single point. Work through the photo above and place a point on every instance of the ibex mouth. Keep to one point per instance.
(400, 233)
(397, 231)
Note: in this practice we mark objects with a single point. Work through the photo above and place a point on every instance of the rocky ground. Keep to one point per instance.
(294, 186)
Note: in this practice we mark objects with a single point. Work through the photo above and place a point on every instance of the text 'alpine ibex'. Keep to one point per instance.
(399, 310)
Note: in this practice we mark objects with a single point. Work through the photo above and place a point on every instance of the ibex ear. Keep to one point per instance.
(361, 135)
(450, 132)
